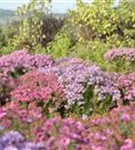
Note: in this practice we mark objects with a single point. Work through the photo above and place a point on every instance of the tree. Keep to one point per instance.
(30, 31)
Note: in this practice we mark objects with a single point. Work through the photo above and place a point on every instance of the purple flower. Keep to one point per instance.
(78, 77)
(122, 54)
(22, 61)
(14, 140)
(12, 137)
(128, 145)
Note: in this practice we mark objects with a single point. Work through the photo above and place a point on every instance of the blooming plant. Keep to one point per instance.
(122, 59)
(112, 131)
(13, 140)
(43, 89)
(21, 61)
(123, 54)
(85, 85)
(126, 84)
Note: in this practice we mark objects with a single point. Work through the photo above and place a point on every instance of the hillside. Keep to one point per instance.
(6, 13)
(6, 16)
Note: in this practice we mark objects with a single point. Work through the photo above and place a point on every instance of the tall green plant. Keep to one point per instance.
(61, 45)
(30, 31)
(7, 34)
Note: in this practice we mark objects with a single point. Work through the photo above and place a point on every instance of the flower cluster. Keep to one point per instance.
(18, 117)
(126, 84)
(122, 54)
(112, 131)
(22, 60)
(13, 140)
(39, 87)
(68, 132)
(28, 113)
(77, 77)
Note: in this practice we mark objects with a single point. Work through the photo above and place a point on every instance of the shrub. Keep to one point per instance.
(36, 22)
(21, 61)
(126, 84)
(88, 89)
(92, 51)
(96, 27)
(108, 23)
(51, 25)
(122, 59)
(41, 88)
(7, 34)
(61, 44)
(31, 15)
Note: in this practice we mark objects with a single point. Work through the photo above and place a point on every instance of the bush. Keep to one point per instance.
(121, 59)
(95, 28)
(88, 89)
(126, 84)
(37, 26)
(21, 61)
(7, 35)
(43, 89)
(51, 25)
(61, 44)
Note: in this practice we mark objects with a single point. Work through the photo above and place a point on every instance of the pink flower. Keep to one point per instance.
(128, 145)
(64, 141)
(3, 113)
(125, 117)
(37, 86)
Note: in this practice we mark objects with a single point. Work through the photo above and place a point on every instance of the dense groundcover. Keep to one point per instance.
(65, 104)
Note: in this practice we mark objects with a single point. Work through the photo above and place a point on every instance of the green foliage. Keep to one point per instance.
(3, 42)
(92, 105)
(91, 51)
(33, 31)
(30, 30)
(6, 38)
(102, 20)
(6, 50)
(61, 45)
(94, 28)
